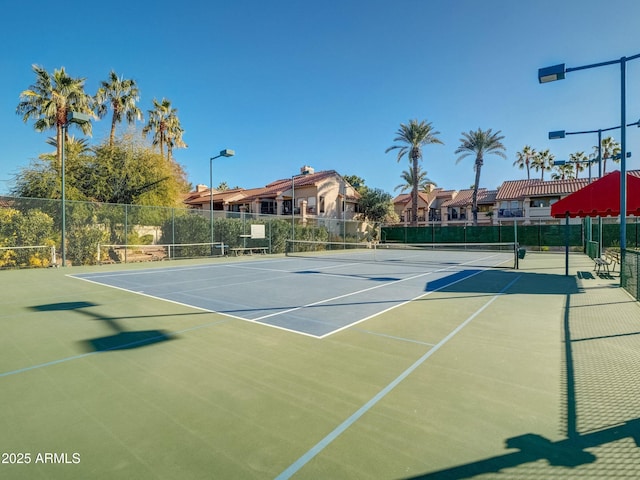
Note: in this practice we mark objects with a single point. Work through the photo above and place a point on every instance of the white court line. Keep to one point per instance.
(322, 444)
(320, 302)
(382, 285)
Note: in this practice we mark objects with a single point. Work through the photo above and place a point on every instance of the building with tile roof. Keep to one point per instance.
(525, 201)
(324, 194)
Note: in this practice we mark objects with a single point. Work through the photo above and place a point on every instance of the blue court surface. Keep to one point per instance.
(309, 296)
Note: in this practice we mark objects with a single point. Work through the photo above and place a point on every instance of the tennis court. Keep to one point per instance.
(440, 368)
(315, 293)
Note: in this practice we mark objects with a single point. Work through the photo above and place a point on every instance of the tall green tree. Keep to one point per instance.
(376, 206)
(412, 137)
(580, 161)
(174, 135)
(409, 181)
(121, 96)
(126, 172)
(524, 158)
(563, 172)
(543, 161)
(479, 143)
(609, 148)
(50, 99)
(163, 122)
(356, 182)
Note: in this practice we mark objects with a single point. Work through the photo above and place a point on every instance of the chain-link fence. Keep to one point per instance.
(629, 269)
(127, 229)
(535, 237)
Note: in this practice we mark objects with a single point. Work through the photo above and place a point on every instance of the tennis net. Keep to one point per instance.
(501, 255)
(27, 256)
(148, 253)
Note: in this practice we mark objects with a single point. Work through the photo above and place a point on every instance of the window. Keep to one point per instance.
(322, 204)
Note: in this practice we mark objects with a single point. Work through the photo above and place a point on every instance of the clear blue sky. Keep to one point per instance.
(327, 83)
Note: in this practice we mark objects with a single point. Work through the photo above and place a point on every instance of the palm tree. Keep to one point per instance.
(407, 176)
(581, 162)
(50, 99)
(412, 137)
(563, 171)
(165, 125)
(174, 135)
(609, 149)
(121, 95)
(480, 143)
(543, 161)
(523, 159)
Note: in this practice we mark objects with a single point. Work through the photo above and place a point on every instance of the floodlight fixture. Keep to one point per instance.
(557, 134)
(551, 74)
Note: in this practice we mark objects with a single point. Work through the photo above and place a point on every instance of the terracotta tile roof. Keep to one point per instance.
(278, 187)
(203, 197)
(519, 189)
(271, 190)
(465, 197)
(439, 193)
(406, 198)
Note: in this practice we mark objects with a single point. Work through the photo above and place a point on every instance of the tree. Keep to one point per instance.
(563, 171)
(412, 137)
(376, 206)
(174, 135)
(125, 172)
(543, 161)
(581, 162)
(130, 173)
(121, 95)
(524, 158)
(407, 176)
(609, 148)
(479, 143)
(165, 125)
(50, 99)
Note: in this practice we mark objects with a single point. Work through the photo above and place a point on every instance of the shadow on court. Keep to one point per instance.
(119, 340)
(600, 378)
(493, 281)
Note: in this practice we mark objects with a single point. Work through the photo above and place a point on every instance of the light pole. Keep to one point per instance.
(562, 133)
(223, 153)
(72, 117)
(293, 208)
(557, 72)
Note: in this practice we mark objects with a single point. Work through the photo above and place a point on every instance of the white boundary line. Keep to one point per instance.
(322, 444)
(260, 320)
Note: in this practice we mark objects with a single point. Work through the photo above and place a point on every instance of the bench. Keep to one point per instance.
(248, 250)
(613, 257)
(609, 258)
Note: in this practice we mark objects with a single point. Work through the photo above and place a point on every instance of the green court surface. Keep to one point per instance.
(507, 374)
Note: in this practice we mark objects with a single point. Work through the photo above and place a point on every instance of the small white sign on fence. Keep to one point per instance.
(257, 231)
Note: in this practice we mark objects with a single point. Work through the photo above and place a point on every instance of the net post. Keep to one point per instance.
(53, 255)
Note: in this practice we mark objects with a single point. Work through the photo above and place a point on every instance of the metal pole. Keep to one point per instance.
(211, 200)
(344, 225)
(623, 159)
(566, 244)
(599, 176)
(293, 208)
(62, 193)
